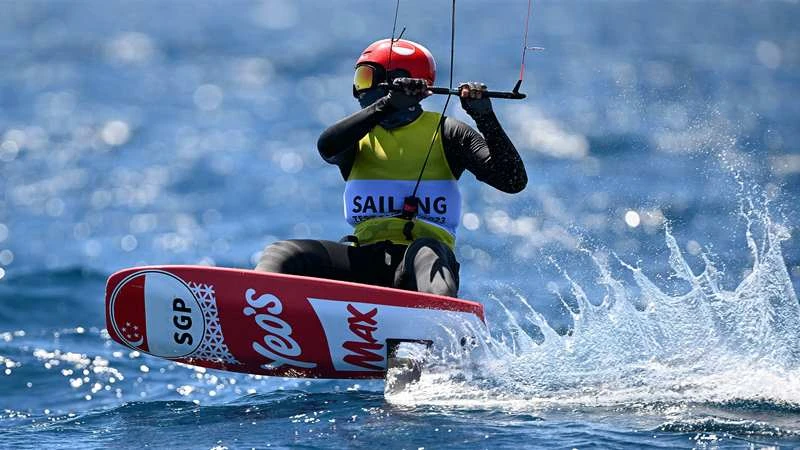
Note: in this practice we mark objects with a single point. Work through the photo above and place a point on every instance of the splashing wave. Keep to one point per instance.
(707, 345)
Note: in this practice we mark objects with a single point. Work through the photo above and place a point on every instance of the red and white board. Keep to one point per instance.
(273, 324)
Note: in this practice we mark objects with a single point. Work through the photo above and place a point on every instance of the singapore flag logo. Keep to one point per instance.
(132, 335)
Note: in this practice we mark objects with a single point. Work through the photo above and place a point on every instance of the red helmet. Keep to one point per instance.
(405, 55)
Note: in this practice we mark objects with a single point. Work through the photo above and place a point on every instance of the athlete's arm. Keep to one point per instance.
(338, 144)
(492, 158)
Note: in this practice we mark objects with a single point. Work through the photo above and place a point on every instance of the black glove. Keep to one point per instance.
(407, 92)
(472, 99)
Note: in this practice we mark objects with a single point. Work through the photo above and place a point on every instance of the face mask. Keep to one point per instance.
(370, 96)
(393, 120)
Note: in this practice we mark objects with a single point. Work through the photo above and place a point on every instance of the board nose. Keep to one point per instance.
(126, 320)
(156, 312)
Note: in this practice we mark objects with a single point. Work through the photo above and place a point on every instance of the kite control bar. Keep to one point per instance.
(514, 94)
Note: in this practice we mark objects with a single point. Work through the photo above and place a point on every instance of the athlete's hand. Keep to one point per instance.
(407, 92)
(472, 99)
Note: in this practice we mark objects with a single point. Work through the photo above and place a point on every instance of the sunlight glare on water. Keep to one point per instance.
(149, 133)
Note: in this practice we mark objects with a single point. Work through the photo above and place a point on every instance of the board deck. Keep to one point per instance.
(274, 324)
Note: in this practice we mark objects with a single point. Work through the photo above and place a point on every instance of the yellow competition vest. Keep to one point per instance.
(385, 171)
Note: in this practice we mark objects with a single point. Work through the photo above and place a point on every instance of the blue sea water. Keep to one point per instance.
(641, 292)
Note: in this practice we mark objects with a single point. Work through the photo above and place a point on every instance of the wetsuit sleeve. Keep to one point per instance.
(338, 144)
(491, 157)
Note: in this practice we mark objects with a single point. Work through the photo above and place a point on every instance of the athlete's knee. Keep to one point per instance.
(275, 256)
(430, 248)
(293, 257)
(430, 266)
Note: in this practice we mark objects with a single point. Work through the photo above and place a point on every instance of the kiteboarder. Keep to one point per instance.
(401, 165)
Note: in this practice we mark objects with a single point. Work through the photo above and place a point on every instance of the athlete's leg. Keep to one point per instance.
(327, 259)
(428, 266)
(324, 259)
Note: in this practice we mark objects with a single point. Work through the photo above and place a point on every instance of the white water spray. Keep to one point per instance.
(706, 345)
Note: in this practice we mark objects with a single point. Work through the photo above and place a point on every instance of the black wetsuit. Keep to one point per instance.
(426, 265)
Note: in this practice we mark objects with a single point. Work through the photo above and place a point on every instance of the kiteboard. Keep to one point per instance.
(275, 324)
